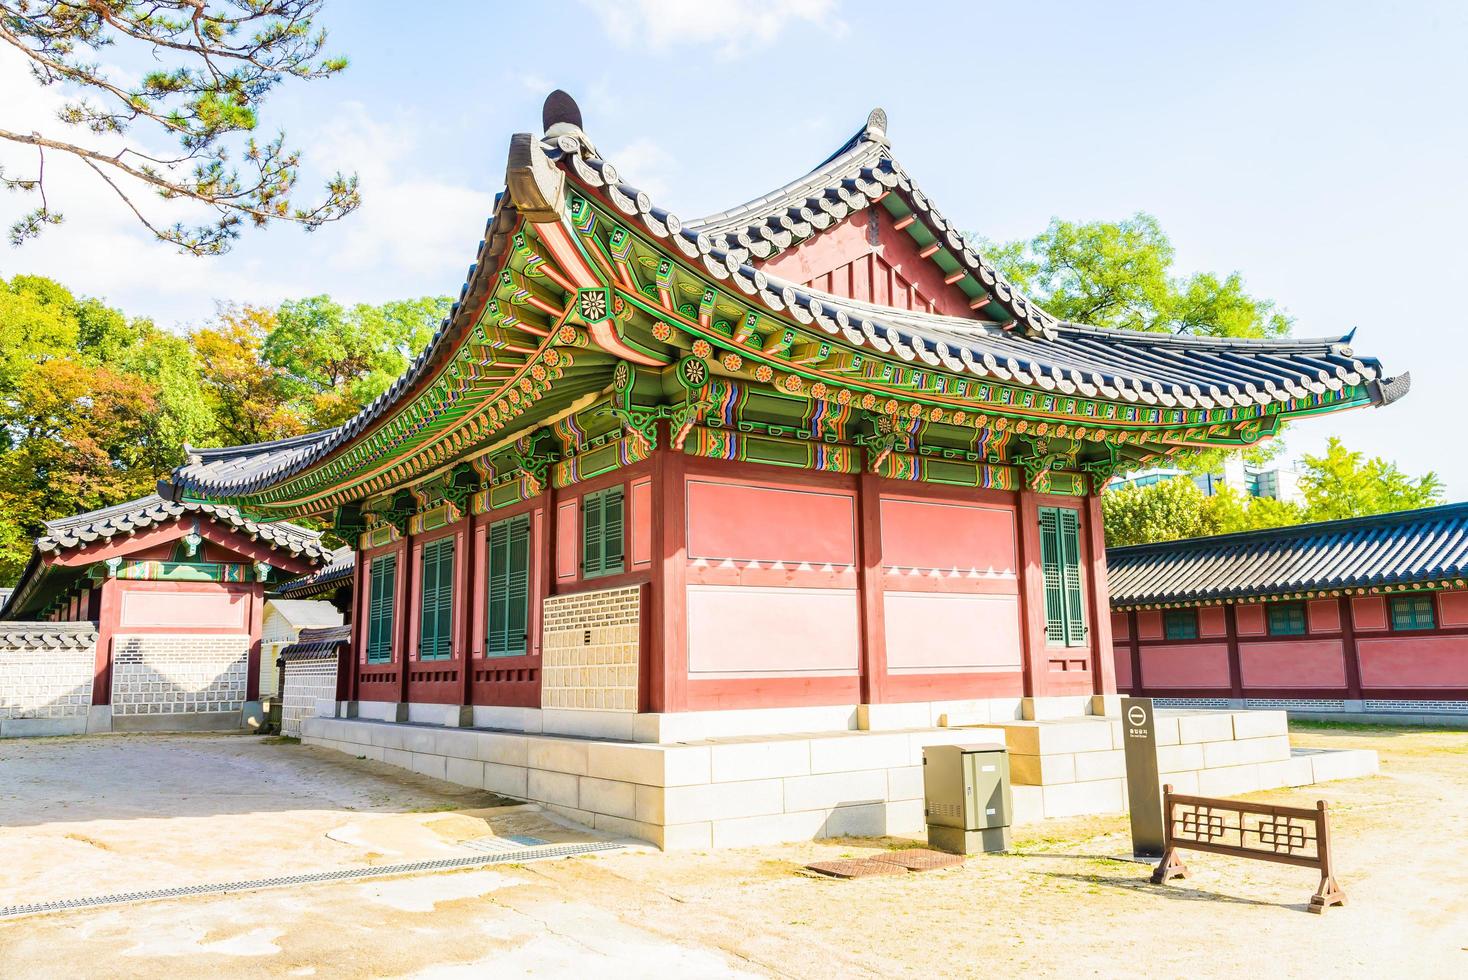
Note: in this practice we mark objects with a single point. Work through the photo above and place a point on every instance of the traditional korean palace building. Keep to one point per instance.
(1362, 616)
(809, 464)
(143, 616)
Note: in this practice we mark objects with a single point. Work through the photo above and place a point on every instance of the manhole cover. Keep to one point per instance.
(855, 868)
(920, 859)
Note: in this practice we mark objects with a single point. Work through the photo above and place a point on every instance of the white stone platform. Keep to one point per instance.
(760, 789)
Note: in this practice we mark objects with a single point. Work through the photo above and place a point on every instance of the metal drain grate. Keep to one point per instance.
(346, 874)
(499, 845)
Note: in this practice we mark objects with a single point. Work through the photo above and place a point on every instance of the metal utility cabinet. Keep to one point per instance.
(967, 799)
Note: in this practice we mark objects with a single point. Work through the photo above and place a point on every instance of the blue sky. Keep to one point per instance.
(1317, 148)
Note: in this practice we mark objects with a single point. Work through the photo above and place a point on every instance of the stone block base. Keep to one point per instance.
(183, 721)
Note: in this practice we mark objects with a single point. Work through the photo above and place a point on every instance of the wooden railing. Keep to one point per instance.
(1278, 834)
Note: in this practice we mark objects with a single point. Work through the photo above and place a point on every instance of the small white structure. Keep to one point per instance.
(281, 626)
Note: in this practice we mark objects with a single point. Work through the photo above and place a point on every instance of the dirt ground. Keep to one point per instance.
(119, 813)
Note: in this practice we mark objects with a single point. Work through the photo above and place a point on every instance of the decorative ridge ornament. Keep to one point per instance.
(559, 110)
(876, 127)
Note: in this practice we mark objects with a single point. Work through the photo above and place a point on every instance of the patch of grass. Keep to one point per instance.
(434, 808)
(280, 740)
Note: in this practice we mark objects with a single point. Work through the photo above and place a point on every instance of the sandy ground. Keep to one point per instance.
(86, 816)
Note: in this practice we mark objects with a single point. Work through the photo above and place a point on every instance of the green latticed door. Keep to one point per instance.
(435, 632)
(1060, 561)
(509, 587)
(380, 594)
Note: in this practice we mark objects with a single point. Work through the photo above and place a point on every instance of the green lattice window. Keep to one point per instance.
(436, 612)
(601, 533)
(382, 584)
(1413, 612)
(1060, 560)
(1180, 624)
(509, 587)
(1286, 618)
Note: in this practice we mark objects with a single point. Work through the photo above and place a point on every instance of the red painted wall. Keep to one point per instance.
(1414, 662)
(1304, 664)
(1122, 657)
(1190, 665)
(1211, 621)
(1369, 613)
(844, 260)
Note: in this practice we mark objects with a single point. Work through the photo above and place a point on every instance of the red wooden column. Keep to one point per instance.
(466, 586)
(109, 617)
(667, 651)
(405, 625)
(1235, 665)
(257, 616)
(360, 602)
(1032, 597)
(1103, 658)
(1349, 651)
(869, 577)
(1135, 643)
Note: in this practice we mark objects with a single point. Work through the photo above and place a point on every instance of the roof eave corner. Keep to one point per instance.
(168, 491)
(536, 186)
(1387, 390)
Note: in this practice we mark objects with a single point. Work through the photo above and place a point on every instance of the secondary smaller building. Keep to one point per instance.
(1360, 616)
(143, 616)
(282, 625)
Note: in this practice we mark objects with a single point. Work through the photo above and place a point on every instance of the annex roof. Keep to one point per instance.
(325, 579)
(306, 613)
(47, 636)
(317, 642)
(129, 517)
(1020, 344)
(1409, 548)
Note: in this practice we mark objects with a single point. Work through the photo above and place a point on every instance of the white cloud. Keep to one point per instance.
(734, 26)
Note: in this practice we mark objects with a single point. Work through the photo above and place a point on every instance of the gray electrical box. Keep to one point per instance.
(967, 800)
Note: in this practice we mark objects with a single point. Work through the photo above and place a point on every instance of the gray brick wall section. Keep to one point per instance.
(306, 681)
(46, 683)
(162, 674)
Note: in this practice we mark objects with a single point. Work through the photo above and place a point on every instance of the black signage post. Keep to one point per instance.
(1144, 793)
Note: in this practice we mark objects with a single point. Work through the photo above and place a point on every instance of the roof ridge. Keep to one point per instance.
(1336, 525)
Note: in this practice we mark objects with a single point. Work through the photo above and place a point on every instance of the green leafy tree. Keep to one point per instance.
(1120, 274)
(338, 359)
(247, 396)
(1161, 511)
(1343, 483)
(210, 67)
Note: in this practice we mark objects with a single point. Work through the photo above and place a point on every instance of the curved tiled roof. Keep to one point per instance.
(325, 579)
(80, 530)
(1045, 353)
(1416, 546)
(317, 642)
(47, 636)
(135, 515)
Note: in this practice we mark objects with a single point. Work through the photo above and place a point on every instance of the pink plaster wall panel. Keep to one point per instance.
(1368, 613)
(1212, 622)
(213, 610)
(1414, 662)
(1453, 608)
(1304, 664)
(1194, 665)
(641, 513)
(1324, 615)
(1149, 624)
(752, 523)
(1122, 656)
(936, 631)
(1250, 619)
(1121, 625)
(930, 534)
(740, 631)
(568, 539)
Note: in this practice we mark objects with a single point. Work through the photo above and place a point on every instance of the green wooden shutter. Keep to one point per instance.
(611, 531)
(1075, 600)
(591, 552)
(381, 589)
(1050, 564)
(435, 629)
(509, 587)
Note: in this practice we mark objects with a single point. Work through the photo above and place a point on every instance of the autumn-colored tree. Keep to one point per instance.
(248, 396)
